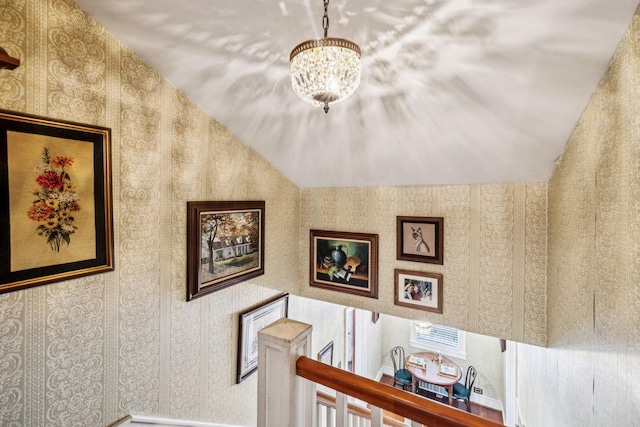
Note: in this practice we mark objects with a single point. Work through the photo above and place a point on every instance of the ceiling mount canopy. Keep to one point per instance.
(327, 70)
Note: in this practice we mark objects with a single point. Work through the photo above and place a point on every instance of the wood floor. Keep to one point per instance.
(479, 410)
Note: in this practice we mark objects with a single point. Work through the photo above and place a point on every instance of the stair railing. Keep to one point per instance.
(287, 395)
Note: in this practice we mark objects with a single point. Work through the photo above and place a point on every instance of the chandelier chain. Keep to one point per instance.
(325, 19)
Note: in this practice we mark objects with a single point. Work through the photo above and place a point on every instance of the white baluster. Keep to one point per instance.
(342, 412)
(376, 416)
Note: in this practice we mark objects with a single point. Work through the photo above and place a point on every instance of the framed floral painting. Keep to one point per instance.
(55, 192)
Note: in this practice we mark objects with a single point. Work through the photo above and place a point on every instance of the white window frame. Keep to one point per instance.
(459, 352)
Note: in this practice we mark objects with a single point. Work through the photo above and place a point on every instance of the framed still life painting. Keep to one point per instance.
(55, 200)
(345, 262)
(225, 244)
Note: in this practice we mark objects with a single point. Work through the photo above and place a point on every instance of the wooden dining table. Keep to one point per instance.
(430, 372)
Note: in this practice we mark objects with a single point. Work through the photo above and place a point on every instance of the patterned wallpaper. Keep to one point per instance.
(88, 351)
(494, 270)
(589, 375)
(91, 350)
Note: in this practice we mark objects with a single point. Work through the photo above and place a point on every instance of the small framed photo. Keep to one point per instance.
(326, 354)
(251, 322)
(420, 239)
(344, 262)
(375, 316)
(225, 245)
(419, 290)
(56, 210)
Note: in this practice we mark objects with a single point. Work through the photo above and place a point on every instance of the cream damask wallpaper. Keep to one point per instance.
(89, 351)
(590, 374)
(494, 269)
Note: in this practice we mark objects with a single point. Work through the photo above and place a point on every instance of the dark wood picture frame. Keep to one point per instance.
(326, 354)
(56, 217)
(251, 322)
(420, 239)
(225, 244)
(418, 289)
(344, 262)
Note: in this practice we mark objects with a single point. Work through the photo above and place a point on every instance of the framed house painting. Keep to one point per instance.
(225, 244)
(344, 262)
(419, 290)
(251, 322)
(420, 239)
(55, 200)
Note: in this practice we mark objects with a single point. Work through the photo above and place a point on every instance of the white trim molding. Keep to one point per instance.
(142, 420)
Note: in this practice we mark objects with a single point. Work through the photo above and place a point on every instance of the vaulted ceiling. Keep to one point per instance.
(452, 91)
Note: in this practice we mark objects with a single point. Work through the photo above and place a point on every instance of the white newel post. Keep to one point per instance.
(284, 399)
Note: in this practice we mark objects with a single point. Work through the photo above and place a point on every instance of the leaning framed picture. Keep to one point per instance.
(55, 200)
(344, 262)
(419, 290)
(225, 244)
(251, 322)
(420, 239)
(326, 354)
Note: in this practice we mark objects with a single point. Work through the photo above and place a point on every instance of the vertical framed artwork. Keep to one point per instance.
(375, 316)
(344, 262)
(251, 322)
(417, 289)
(326, 354)
(225, 244)
(55, 200)
(420, 239)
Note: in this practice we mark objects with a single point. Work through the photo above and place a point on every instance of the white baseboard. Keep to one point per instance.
(385, 370)
(143, 420)
(487, 401)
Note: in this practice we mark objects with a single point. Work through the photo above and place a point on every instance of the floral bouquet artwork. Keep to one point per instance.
(56, 200)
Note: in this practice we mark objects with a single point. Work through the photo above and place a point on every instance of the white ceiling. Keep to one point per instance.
(452, 91)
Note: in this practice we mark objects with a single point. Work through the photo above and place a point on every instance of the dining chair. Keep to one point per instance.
(401, 375)
(463, 391)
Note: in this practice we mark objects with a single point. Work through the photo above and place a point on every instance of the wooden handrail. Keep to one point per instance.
(412, 406)
(327, 400)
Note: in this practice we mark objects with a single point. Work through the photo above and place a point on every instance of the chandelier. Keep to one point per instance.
(325, 71)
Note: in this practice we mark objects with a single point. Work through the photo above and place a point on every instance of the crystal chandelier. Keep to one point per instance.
(327, 70)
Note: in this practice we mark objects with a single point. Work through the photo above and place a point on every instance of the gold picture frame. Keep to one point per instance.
(56, 209)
